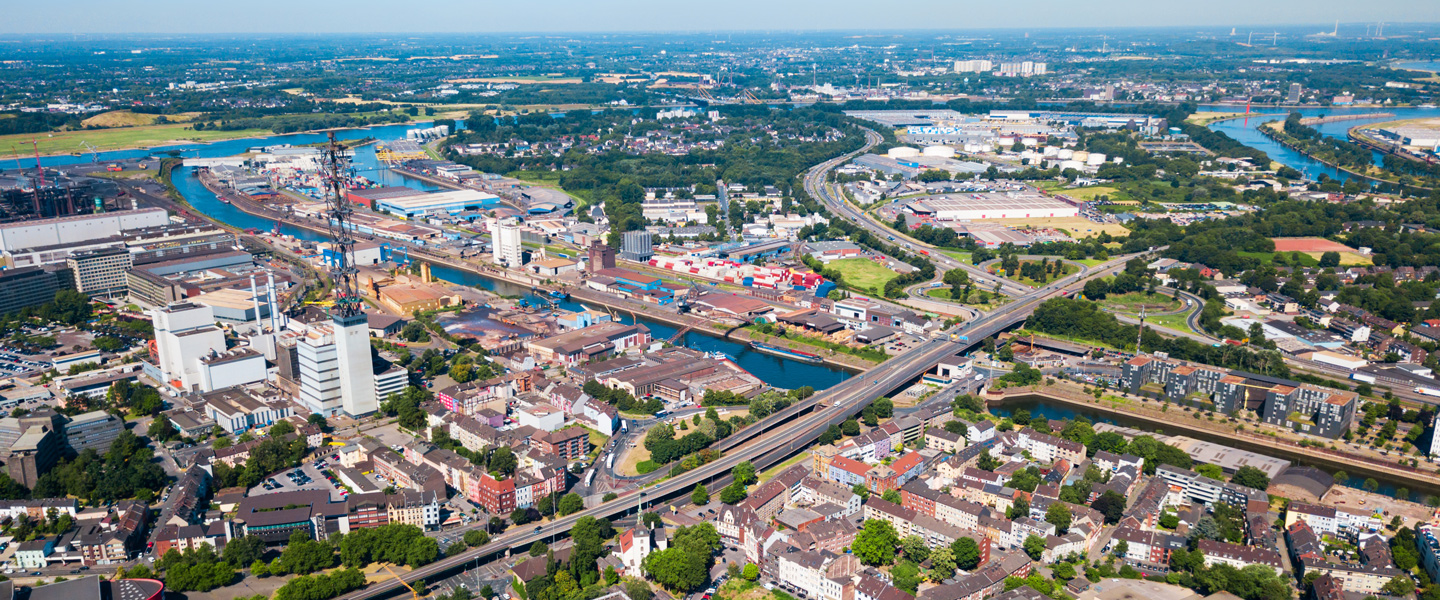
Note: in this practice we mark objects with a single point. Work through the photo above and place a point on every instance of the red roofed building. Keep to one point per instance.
(497, 496)
(847, 471)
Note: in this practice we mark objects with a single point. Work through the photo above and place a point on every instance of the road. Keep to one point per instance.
(787, 432)
(820, 189)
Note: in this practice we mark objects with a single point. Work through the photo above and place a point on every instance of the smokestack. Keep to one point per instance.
(274, 306)
(255, 302)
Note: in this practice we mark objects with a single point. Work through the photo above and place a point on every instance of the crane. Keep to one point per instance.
(94, 153)
(415, 594)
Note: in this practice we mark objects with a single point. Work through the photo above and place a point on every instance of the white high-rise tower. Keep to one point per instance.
(352, 328)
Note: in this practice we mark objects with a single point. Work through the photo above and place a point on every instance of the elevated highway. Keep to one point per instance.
(779, 436)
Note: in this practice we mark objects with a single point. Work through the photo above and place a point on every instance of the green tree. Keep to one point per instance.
(701, 496)
(744, 473)
(750, 572)
(876, 543)
(571, 503)
(1058, 515)
(967, 553)
(733, 494)
(892, 496)
(1251, 477)
(942, 559)
(915, 548)
(1034, 546)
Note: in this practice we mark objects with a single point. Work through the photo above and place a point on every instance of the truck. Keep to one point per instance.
(1427, 391)
(1365, 377)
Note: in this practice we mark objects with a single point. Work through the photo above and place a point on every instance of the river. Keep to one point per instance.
(1037, 405)
(1246, 131)
(770, 369)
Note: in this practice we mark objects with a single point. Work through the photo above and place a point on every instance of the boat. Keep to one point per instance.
(787, 353)
(718, 355)
(560, 294)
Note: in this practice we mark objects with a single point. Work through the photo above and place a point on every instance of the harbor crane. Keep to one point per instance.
(94, 153)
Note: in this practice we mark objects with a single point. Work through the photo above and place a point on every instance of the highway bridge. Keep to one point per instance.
(777, 437)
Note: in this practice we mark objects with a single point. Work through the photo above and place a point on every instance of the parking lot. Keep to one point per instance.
(313, 479)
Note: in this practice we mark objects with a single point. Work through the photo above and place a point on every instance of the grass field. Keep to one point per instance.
(1133, 301)
(1079, 227)
(1089, 193)
(634, 456)
(1090, 262)
(125, 118)
(1311, 259)
(68, 142)
(1176, 322)
(775, 470)
(963, 257)
(863, 273)
(1066, 270)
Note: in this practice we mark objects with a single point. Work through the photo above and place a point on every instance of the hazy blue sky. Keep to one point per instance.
(336, 16)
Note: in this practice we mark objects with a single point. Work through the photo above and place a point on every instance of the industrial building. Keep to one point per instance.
(77, 229)
(1009, 205)
(449, 202)
(507, 244)
(185, 332)
(638, 246)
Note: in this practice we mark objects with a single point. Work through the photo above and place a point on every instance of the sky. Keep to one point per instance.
(489, 16)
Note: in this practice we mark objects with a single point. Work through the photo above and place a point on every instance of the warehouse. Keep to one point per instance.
(447, 202)
(1009, 205)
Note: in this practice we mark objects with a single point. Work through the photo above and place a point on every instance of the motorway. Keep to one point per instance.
(788, 432)
(818, 188)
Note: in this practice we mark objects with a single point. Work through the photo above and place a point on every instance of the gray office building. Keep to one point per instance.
(96, 429)
(638, 246)
(24, 287)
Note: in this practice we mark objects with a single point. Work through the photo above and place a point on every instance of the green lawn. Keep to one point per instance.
(1090, 262)
(775, 470)
(963, 257)
(863, 273)
(1066, 269)
(1132, 302)
(68, 142)
(1176, 322)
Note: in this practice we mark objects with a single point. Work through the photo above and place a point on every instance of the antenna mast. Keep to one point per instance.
(342, 266)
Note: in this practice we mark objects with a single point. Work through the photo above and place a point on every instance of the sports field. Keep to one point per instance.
(1309, 244)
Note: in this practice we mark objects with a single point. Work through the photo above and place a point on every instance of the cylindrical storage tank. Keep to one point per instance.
(1071, 164)
(1080, 155)
(1031, 155)
(1050, 151)
(1096, 159)
(903, 152)
(942, 151)
(973, 148)
(1064, 154)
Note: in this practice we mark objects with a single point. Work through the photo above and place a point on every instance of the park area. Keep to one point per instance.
(863, 273)
(120, 138)
(1034, 273)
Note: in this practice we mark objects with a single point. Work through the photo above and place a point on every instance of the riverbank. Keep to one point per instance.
(1221, 430)
(1270, 130)
(146, 137)
(635, 309)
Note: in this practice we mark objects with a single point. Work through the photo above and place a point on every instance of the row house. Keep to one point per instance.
(987, 581)
(1109, 461)
(823, 491)
(827, 536)
(39, 508)
(469, 398)
(1353, 577)
(1207, 490)
(824, 574)
(1046, 448)
(1150, 549)
(189, 537)
(1331, 520)
(1239, 556)
(943, 441)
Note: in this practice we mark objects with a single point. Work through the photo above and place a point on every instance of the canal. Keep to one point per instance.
(1040, 406)
(772, 370)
